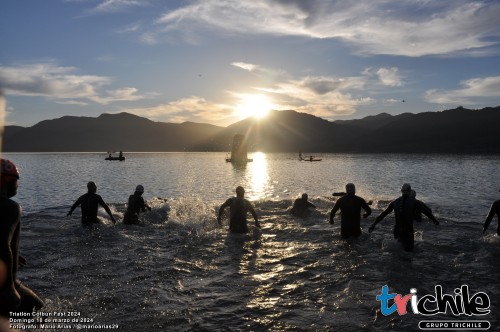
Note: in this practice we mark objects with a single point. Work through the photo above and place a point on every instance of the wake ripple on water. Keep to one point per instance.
(179, 270)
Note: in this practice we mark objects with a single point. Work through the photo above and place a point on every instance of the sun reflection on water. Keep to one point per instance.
(258, 177)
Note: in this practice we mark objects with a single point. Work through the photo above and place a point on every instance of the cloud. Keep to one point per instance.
(123, 94)
(245, 66)
(60, 83)
(322, 96)
(389, 27)
(72, 102)
(149, 38)
(186, 109)
(130, 28)
(112, 6)
(474, 90)
(259, 70)
(390, 76)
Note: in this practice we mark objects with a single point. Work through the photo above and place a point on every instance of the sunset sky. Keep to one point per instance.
(219, 61)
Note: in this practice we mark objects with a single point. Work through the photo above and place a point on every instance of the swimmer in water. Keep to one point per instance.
(135, 205)
(418, 213)
(301, 206)
(90, 204)
(495, 209)
(350, 206)
(238, 208)
(405, 208)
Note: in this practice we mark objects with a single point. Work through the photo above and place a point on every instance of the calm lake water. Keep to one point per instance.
(179, 271)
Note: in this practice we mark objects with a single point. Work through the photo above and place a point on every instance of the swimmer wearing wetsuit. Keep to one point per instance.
(238, 208)
(14, 296)
(418, 213)
(495, 209)
(301, 206)
(350, 206)
(90, 204)
(135, 205)
(405, 208)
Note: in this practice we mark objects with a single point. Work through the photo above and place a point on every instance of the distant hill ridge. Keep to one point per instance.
(458, 130)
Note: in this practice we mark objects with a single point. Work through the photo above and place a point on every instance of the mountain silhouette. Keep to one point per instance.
(108, 132)
(458, 130)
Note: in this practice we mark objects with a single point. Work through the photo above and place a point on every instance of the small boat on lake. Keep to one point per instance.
(115, 158)
(120, 157)
(310, 158)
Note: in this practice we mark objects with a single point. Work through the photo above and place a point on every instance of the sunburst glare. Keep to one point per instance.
(256, 105)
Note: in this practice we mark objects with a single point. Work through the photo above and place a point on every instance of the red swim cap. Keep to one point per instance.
(9, 171)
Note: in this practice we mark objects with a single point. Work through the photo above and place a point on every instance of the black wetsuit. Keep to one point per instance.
(10, 229)
(135, 205)
(300, 207)
(418, 213)
(350, 206)
(238, 208)
(405, 208)
(90, 204)
(495, 209)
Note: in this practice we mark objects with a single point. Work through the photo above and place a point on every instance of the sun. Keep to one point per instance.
(256, 105)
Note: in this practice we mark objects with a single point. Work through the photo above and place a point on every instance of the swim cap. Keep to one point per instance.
(240, 190)
(350, 188)
(139, 188)
(305, 196)
(91, 185)
(9, 171)
(406, 188)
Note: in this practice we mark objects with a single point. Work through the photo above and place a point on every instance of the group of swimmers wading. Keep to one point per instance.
(16, 297)
(407, 209)
(89, 205)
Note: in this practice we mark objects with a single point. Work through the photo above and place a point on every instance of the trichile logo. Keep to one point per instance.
(460, 304)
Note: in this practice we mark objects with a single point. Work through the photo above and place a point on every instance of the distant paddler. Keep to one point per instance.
(238, 209)
(90, 204)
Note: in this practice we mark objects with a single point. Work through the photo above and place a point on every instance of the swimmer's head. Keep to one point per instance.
(350, 188)
(406, 189)
(9, 178)
(413, 193)
(139, 189)
(305, 196)
(91, 186)
(240, 191)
